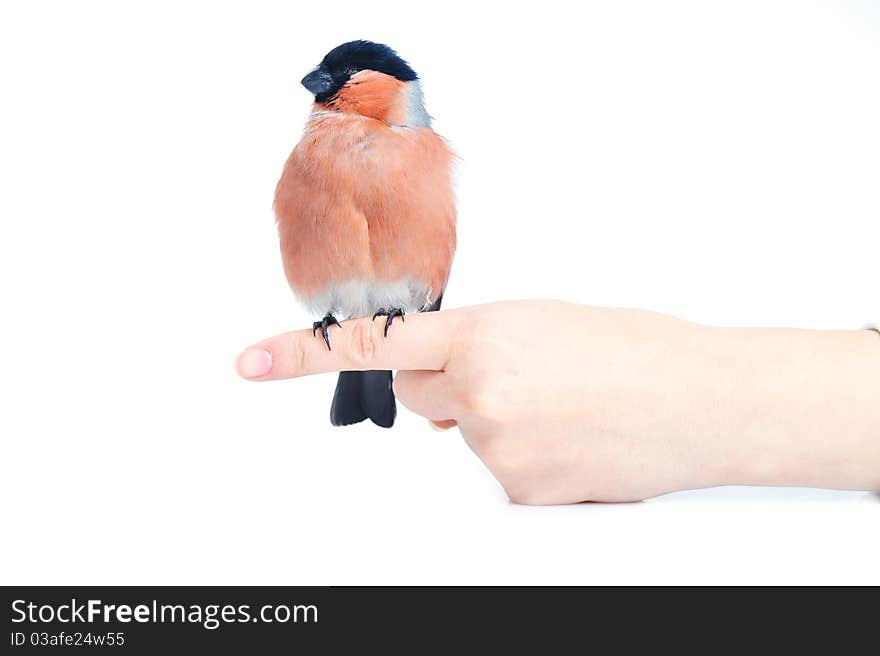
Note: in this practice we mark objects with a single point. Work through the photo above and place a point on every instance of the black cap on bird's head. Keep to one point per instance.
(343, 61)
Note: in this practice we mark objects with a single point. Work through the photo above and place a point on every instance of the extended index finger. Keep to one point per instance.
(421, 341)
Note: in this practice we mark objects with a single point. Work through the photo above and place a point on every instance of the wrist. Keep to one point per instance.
(800, 407)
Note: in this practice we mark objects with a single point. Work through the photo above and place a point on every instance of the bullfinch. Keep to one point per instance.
(365, 209)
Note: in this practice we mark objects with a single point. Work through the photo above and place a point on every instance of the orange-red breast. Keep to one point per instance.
(365, 208)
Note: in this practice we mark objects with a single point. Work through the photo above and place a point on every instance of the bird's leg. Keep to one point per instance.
(390, 313)
(328, 320)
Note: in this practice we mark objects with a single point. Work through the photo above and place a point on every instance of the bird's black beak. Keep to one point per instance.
(318, 82)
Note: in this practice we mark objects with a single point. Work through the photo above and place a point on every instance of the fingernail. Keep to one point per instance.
(437, 427)
(254, 362)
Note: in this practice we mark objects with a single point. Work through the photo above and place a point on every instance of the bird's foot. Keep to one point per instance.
(390, 313)
(323, 324)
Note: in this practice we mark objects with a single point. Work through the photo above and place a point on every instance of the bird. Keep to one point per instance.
(365, 209)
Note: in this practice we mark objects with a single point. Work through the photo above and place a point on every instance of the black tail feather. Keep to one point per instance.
(363, 395)
(367, 394)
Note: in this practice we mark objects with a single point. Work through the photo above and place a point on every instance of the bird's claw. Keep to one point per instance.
(323, 324)
(390, 313)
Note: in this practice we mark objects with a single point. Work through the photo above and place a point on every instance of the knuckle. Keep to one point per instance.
(484, 403)
(362, 344)
(297, 360)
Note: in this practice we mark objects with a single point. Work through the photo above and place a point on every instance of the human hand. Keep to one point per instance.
(567, 403)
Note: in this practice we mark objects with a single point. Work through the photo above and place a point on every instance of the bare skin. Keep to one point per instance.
(567, 403)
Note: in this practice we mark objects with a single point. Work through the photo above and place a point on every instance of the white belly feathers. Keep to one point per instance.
(361, 298)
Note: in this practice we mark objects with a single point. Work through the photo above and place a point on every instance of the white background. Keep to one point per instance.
(716, 161)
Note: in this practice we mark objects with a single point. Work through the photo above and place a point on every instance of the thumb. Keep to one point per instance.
(423, 341)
